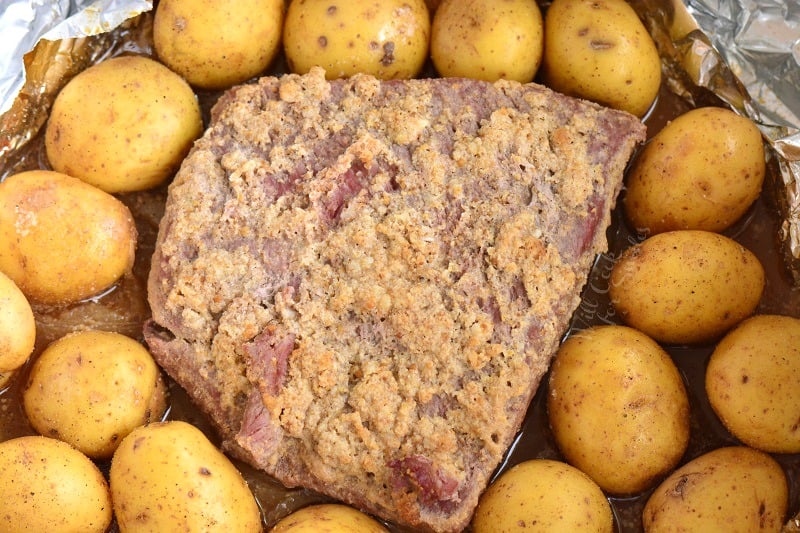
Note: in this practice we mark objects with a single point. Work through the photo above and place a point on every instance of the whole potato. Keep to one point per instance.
(702, 171)
(686, 286)
(62, 240)
(17, 326)
(91, 388)
(733, 489)
(547, 494)
(217, 44)
(167, 476)
(753, 382)
(388, 39)
(124, 124)
(487, 40)
(47, 485)
(617, 407)
(600, 50)
(328, 518)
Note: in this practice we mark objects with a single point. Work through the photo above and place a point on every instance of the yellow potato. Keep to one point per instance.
(215, 44)
(600, 50)
(167, 476)
(387, 39)
(618, 408)
(124, 124)
(17, 326)
(686, 286)
(730, 490)
(328, 518)
(487, 39)
(91, 388)
(62, 240)
(47, 485)
(753, 382)
(702, 171)
(546, 495)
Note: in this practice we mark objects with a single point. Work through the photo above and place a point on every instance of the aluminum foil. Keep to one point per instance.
(746, 53)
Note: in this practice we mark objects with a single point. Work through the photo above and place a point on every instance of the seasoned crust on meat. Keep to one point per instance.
(363, 282)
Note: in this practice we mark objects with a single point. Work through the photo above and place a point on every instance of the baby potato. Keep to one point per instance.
(752, 382)
(91, 388)
(686, 286)
(62, 240)
(387, 39)
(600, 50)
(17, 326)
(551, 495)
(487, 40)
(618, 408)
(47, 485)
(733, 489)
(217, 44)
(167, 476)
(122, 125)
(328, 518)
(702, 171)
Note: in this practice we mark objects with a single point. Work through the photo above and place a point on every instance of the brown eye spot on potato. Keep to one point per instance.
(322, 41)
(388, 54)
(180, 24)
(677, 490)
(600, 45)
(331, 10)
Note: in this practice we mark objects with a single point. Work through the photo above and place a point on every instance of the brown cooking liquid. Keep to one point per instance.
(124, 309)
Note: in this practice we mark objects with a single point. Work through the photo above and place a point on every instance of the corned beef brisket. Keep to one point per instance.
(363, 282)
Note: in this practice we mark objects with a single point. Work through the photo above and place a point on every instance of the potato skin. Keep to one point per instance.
(328, 518)
(702, 171)
(62, 240)
(167, 476)
(47, 485)
(732, 489)
(91, 388)
(387, 39)
(618, 407)
(686, 286)
(487, 39)
(600, 50)
(752, 382)
(17, 326)
(551, 495)
(217, 44)
(122, 125)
